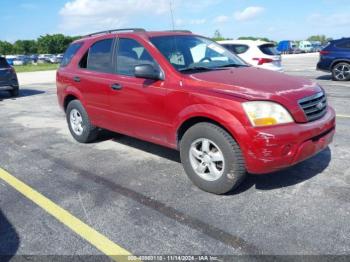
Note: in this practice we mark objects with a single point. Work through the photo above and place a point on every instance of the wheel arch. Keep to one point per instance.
(71, 93)
(335, 62)
(67, 100)
(187, 124)
(219, 117)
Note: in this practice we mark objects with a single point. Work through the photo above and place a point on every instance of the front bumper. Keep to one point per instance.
(7, 88)
(277, 147)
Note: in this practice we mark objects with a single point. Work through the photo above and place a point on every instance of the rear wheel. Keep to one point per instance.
(341, 71)
(211, 158)
(79, 123)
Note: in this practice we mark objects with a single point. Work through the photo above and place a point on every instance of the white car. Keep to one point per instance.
(256, 53)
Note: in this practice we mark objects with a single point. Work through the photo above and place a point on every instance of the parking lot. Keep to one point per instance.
(137, 195)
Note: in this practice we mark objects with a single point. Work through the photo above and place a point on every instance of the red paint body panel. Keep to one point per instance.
(155, 110)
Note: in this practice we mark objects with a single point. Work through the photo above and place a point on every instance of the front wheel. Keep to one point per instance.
(79, 123)
(341, 72)
(212, 159)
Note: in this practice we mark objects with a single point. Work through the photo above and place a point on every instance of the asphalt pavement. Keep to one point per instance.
(137, 195)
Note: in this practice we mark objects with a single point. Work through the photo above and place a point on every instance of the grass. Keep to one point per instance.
(34, 68)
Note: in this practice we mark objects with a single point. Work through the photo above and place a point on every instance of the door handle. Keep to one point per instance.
(76, 79)
(116, 87)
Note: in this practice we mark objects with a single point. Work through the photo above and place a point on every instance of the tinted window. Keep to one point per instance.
(345, 44)
(270, 49)
(69, 54)
(237, 49)
(130, 54)
(99, 57)
(3, 63)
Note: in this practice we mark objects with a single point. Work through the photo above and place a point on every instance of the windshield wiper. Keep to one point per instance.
(196, 68)
(232, 65)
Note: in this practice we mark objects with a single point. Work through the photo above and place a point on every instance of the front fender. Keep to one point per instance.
(223, 117)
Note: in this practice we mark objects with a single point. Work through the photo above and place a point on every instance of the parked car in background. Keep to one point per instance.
(8, 78)
(187, 92)
(44, 58)
(52, 59)
(316, 46)
(335, 58)
(257, 53)
(21, 60)
(306, 46)
(34, 58)
(10, 59)
(59, 58)
(288, 47)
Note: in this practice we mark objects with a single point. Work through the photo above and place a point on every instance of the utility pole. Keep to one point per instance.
(172, 14)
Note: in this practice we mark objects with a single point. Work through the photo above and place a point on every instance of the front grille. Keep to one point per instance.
(314, 106)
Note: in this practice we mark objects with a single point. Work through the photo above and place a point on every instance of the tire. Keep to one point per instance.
(228, 174)
(14, 92)
(83, 131)
(341, 72)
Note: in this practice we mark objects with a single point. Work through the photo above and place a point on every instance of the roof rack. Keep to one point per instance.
(180, 31)
(116, 30)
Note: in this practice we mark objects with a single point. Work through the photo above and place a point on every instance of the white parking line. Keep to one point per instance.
(101, 242)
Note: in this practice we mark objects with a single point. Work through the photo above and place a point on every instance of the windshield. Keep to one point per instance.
(188, 52)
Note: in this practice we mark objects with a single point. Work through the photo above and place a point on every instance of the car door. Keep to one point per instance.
(137, 104)
(343, 50)
(94, 79)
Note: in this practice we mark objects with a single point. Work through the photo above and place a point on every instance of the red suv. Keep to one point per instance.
(186, 92)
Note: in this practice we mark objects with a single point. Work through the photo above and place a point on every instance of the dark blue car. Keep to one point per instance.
(8, 78)
(335, 58)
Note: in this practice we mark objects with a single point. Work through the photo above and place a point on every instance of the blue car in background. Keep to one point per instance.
(10, 61)
(335, 58)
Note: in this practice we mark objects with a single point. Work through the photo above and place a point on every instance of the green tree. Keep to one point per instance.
(25, 47)
(51, 44)
(54, 44)
(321, 38)
(6, 48)
(217, 36)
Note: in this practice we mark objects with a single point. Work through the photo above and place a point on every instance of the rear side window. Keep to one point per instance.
(130, 54)
(69, 54)
(3, 63)
(237, 49)
(345, 44)
(99, 57)
(270, 49)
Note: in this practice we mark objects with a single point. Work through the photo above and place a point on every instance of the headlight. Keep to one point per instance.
(264, 113)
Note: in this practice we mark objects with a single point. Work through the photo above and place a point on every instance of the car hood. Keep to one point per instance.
(255, 84)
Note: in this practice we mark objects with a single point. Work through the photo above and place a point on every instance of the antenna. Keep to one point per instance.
(172, 14)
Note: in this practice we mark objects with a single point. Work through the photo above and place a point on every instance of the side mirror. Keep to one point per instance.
(148, 71)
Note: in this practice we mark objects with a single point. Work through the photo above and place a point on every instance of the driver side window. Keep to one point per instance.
(130, 54)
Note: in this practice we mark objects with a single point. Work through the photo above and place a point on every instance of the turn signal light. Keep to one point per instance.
(267, 121)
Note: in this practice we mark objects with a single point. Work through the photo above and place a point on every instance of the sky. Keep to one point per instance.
(277, 20)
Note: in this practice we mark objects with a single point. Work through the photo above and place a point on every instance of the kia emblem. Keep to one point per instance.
(319, 106)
